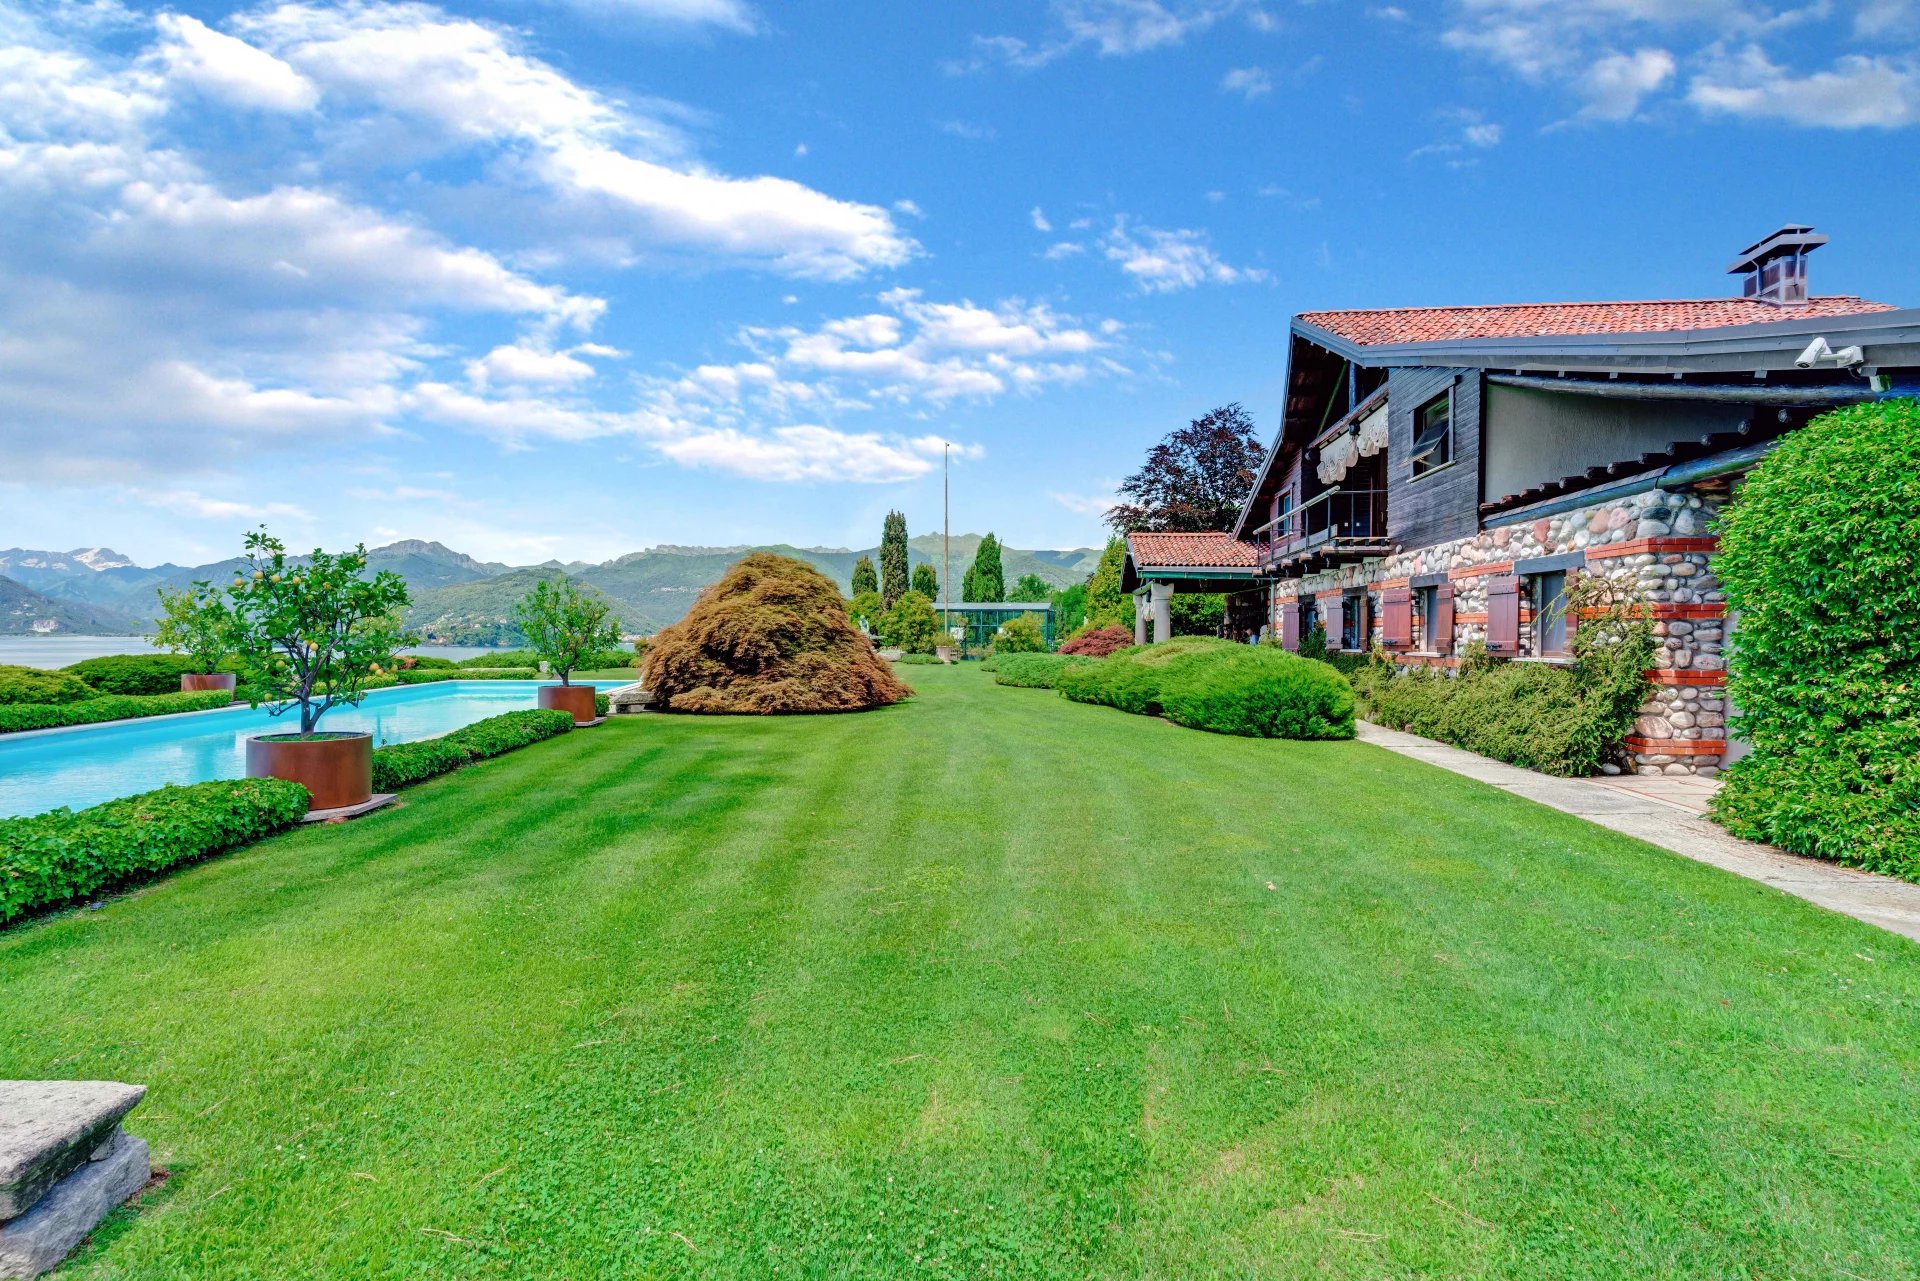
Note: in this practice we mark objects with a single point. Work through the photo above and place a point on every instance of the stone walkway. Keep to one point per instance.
(1661, 813)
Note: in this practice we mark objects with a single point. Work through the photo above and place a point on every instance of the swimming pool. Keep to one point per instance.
(45, 769)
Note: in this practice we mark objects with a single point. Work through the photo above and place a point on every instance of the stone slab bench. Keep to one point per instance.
(629, 699)
(65, 1163)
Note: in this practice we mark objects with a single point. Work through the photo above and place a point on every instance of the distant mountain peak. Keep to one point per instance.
(99, 558)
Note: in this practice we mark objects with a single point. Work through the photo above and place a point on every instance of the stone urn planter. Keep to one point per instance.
(201, 682)
(943, 652)
(336, 769)
(577, 699)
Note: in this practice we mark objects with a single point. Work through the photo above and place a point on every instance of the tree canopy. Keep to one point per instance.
(986, 578)
(1030, 587)
(864, 578)
(1195, 480)
(1106, 605)
(564, 623)
(893, 558)
(925, 581)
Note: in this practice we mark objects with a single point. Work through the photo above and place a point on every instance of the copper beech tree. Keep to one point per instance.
(1195, 480)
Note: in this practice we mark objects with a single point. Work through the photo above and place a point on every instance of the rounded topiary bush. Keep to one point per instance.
(133, 673)
(35, 685)
(772, 636)
(1097, 642)
(1817, 558)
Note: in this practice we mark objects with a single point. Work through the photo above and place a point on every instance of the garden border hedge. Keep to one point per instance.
(18, 717)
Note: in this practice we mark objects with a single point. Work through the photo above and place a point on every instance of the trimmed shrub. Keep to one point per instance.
(433, 675)
(917, 660)
(1220, 687)
(425, 663)
(24, 716)
(62, 856)
(1034, 671)
(502, 658)
(1256, 692)
(403, 764)
(133, 673)
(1098, 642)
(1026, 634)
(602, 704)
(35, 685)
(772, 636)
(1816, 555)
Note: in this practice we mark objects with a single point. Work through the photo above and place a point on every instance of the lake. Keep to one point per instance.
(58, 651)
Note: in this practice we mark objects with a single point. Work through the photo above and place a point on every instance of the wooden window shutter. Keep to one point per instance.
(1396, 618)
(1503, 616)
(1290, 626)
(1441, 642)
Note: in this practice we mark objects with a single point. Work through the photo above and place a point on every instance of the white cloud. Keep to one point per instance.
(1615, 85)
(1111, 28)
(620, 170)
(1248, 82)
(1160, 261)
(1857, 92)
(186, 502)
(512, 365)
(230, 69)
(807, 453)
(1039, 219)
(1472, 134)
(968, 130)
(1085, 504)
(1063, 249)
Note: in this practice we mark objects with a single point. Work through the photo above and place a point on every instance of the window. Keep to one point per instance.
(1426, 605)
(1353, 621)
(1433, 435)
(1547, 595)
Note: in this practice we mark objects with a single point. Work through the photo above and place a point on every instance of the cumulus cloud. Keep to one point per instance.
(620, 169)
(729, 15)
(1614, 57)
(1111, 28)
(193, 53)
(1161, 261)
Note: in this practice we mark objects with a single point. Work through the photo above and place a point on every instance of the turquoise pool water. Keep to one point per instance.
(88, 764)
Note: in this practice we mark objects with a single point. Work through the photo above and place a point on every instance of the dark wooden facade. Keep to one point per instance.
(1445, 504)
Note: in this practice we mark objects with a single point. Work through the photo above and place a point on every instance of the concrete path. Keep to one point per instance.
(1671, 817)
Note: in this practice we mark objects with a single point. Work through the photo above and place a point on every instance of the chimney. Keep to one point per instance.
(1775, 269)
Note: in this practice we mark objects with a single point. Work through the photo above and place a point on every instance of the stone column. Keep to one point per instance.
(1162, 612)
(1139, 619)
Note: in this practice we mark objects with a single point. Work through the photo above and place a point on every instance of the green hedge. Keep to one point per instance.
(61, 856)
(434, 675)
(37, 685)
(24, 716)
(1816, 555)
(404, 763)
(427, 662)
(1527, 714)
(1253, 691)
(133, 673)
(1034, 671)
(602, 704)
(917, 660)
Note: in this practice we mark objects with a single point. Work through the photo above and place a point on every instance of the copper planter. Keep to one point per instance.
(201, 682)
(336, 769)
(577, 699)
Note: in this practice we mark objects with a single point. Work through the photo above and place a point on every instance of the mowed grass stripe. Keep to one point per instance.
(987, 984)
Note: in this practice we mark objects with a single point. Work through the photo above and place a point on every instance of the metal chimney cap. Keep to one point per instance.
(1794, 238)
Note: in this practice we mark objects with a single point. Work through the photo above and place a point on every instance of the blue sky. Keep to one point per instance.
(576, 277)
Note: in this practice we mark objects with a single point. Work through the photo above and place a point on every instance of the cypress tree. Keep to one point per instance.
(987, 580)
(893, 558)
(864, 579)
(1107, 606)
(925, 581)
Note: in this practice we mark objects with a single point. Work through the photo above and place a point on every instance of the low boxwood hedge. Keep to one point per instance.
(405, 763)
(424, 662)
(63, 856)
(134, 673)
(433, 675)
(37, 685)
(1034, 671)
(15, 717)
(1252, 691)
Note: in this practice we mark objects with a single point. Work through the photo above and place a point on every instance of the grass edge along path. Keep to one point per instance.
(985, 984)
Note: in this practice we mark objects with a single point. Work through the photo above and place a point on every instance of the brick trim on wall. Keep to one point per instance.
(1670, 609)
(1655, 545)
(1684, 676)
(1475, 571)
(1677, 746)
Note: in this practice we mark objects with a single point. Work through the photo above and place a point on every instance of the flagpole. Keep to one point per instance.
(946, 542)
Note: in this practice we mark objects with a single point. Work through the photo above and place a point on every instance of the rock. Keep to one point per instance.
(1676, 768)
(48, 1128)
(39, 1239)
(1653, 528)
(1609, 768)
(1653, 727)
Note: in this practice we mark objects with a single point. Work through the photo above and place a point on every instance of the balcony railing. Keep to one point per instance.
(1341, 524)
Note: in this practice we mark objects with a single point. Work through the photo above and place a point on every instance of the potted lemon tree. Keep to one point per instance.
(563, 625)
(308, 636)
(196, 624)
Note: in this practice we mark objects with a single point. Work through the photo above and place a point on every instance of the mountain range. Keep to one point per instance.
(457, 599)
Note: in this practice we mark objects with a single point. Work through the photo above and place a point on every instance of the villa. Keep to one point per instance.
(1441, 471)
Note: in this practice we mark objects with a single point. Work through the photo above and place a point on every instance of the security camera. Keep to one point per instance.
(1820, 350)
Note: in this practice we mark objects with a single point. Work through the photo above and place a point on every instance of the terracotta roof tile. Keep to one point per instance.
(1191, 551)
(1553, 319)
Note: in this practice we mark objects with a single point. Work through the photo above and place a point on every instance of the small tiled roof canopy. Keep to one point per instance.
(1395, 325)
(1190, 551)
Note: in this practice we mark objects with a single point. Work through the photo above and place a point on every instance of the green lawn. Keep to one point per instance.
(985, 985)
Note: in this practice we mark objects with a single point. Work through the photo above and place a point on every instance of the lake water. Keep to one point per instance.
(44, 769)
(58, 651)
